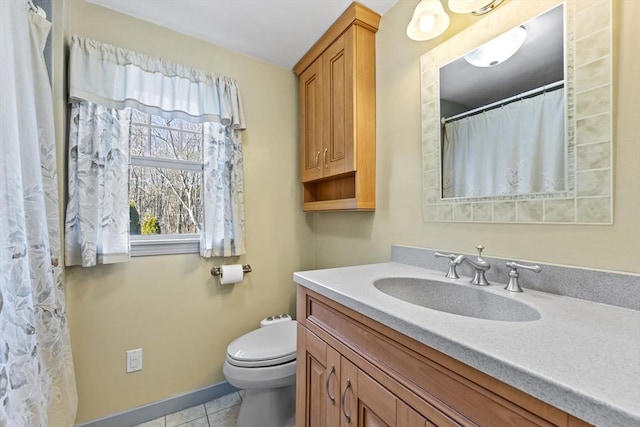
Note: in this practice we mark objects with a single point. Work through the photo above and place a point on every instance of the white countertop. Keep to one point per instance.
(580, 356)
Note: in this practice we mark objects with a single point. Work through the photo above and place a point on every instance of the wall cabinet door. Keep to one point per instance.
(326, 105)
(338, 113)
(311, 131)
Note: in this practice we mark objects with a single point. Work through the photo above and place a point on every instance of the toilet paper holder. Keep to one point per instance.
(215, 270)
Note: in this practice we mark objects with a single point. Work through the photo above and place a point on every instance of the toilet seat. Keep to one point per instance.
(268, 346)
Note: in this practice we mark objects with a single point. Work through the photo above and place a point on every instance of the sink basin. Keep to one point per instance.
(456, 299)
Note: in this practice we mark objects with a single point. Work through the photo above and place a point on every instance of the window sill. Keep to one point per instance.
(165, 245)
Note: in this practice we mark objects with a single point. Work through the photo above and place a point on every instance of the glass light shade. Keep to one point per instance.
(429, 20)
(477, 7)
(498, 50)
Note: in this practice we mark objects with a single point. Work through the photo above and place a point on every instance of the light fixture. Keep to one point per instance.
(429, 20)
(475, 7)
(498, 50)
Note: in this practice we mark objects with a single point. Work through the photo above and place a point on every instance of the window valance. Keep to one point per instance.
(118, 78)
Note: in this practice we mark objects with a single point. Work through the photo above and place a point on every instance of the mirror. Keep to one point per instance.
(551, 166)
(502, 106)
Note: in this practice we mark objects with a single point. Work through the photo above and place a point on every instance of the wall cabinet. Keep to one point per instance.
(337, 115)
(353, 371)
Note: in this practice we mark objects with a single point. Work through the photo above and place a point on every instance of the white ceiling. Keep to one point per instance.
(276, 31)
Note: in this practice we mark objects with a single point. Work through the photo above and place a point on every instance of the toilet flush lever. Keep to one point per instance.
(514, 284)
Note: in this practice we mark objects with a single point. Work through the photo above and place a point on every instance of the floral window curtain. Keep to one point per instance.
(104, 81)
(223, 229)
(524, 141)
(37, 384)
(97, 221)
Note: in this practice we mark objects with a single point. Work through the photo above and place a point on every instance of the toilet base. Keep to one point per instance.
(273, 407)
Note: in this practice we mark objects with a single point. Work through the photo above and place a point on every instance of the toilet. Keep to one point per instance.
(263, 364)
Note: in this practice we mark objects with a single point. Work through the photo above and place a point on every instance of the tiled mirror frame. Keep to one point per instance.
(589, 199)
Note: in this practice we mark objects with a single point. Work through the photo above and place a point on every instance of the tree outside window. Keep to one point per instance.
(165, 178)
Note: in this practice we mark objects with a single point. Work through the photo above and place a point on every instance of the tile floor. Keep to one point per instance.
(222, 412)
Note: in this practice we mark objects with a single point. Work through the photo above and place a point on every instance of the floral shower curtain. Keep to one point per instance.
(37, 385)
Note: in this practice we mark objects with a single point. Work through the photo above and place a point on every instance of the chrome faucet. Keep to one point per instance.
(480, 266)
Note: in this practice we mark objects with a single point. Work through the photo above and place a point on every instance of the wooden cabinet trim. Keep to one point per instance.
(356, 14)
(339, 325)
(365, 115)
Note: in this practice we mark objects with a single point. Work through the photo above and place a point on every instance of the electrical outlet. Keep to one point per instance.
(134, 360)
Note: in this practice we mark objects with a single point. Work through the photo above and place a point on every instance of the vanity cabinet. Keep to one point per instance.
(354, 371)
(337, 115)
(338, 393)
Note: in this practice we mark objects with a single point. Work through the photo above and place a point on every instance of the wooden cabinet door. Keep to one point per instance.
(311, 125)
(317, 387)
(332, 387)
(331, 391)
(366, 403)
(369, 404)
(338, 112)
(348, 394)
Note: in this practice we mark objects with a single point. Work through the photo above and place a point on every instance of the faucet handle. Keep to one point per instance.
(481, 260)
(452, 273)
(441, 255)
(533, 267)
(514, 284)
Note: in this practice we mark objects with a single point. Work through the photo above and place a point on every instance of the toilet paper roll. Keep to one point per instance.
(230, 274)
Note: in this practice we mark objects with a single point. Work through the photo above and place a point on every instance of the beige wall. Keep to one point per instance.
(170, 305)
(351, 238)
(175, 311)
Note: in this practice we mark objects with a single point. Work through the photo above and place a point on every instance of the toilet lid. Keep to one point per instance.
(267, 346)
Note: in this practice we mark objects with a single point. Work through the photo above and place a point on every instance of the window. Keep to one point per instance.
(186, 180)
(165, 185)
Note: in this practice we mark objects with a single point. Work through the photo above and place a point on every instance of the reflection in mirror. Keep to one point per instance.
(503, 114)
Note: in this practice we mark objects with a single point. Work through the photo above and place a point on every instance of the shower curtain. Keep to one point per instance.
(523, 142)
(37, 385)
